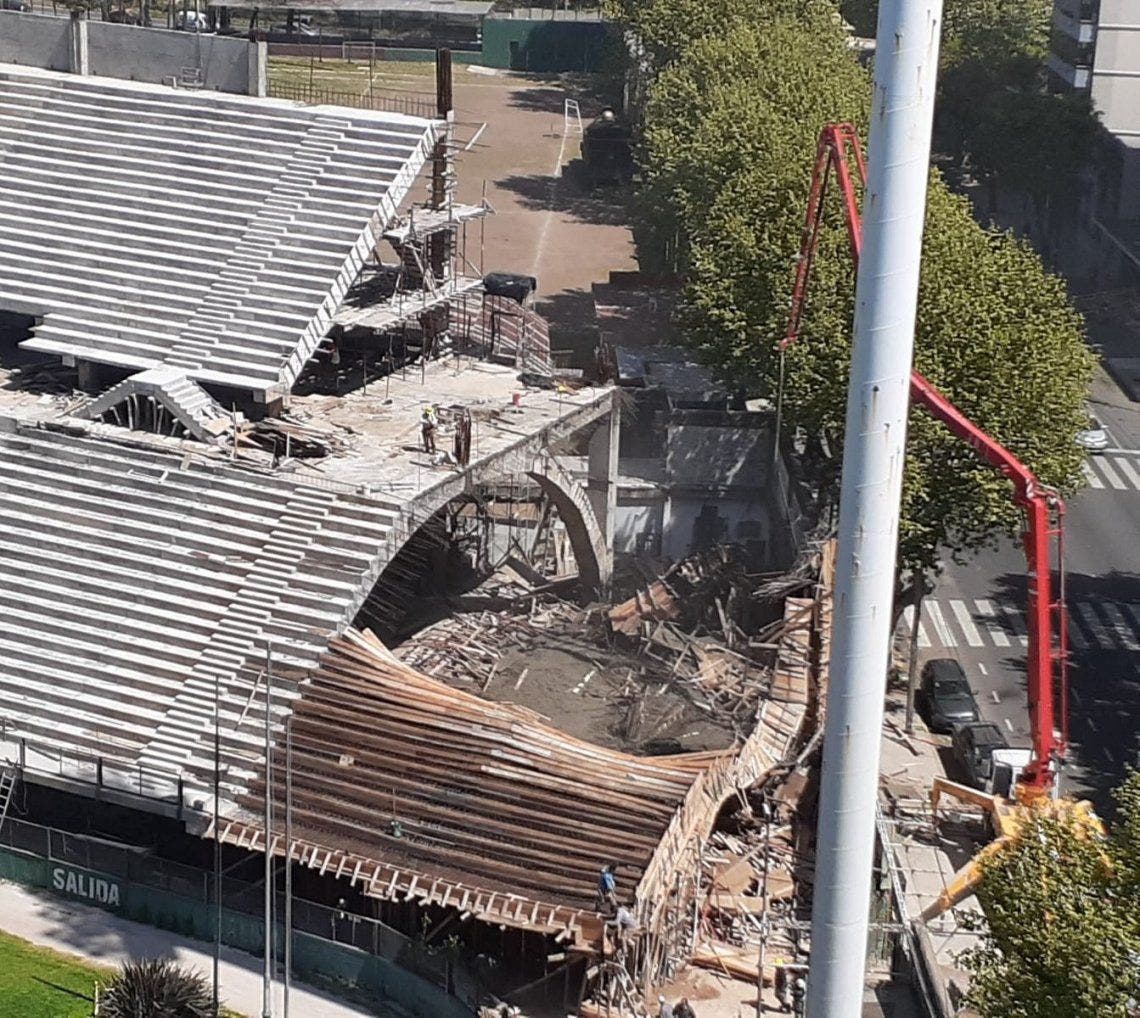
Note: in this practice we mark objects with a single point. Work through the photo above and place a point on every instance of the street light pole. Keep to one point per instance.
(267, 987)
(217, 842)
(878, 397)
(765, 922)
(288, 860)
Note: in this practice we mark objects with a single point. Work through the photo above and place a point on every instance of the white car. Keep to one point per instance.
(1094, 438)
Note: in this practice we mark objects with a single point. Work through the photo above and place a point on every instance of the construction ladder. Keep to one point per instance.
(9, 774)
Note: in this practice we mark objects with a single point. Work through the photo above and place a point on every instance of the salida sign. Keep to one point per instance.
(86, 885)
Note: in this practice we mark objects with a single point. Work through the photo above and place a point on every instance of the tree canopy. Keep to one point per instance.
(1062, 928)
(991, 106)
(730, 131)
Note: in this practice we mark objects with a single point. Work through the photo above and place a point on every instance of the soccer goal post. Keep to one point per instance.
(358, 52)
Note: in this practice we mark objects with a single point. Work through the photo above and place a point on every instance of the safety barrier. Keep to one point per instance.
(332, 947)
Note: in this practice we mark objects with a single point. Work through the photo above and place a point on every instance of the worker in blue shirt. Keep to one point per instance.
(607, 889)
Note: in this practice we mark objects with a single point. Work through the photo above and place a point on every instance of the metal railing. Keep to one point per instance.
(412, 104)
(98, 771)
(138, 867)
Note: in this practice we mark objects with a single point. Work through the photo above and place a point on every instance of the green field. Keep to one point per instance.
(38, 983)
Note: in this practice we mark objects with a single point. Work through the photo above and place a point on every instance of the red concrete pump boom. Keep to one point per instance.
(1047, 650)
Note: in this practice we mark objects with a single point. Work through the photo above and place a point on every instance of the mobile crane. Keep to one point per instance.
(1042, 541)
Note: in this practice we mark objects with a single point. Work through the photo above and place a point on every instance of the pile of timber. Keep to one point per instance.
(686, 592)
(725, 684)
(470, 647)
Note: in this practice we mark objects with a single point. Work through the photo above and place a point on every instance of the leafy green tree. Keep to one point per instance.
(730, 135)
(666, 28)
(1036, 143)
(1062, 921)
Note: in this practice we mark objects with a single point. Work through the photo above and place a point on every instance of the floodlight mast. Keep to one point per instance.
(886, 300)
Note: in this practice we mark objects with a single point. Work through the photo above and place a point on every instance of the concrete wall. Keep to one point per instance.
(35, 41)
(132, 52)
(1116, 67)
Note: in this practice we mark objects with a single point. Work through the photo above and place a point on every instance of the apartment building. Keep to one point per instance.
(1095, 47)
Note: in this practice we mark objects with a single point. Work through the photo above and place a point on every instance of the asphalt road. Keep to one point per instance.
(976, 614)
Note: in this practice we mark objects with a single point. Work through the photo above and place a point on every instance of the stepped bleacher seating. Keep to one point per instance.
(213, 233)
(135, 583)
(194, 410)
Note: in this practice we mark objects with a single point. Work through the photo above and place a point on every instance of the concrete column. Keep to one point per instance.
(609, 520)
(80, 63)
(602, 475)
(258, 68)
(90, 376)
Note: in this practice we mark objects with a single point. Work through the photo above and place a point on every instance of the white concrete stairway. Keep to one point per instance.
(212, 233)
(129, 580)
(186, 401)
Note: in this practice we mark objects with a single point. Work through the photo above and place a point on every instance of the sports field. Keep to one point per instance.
(38, 983)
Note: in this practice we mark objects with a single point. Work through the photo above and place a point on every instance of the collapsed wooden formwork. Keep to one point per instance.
(415, 791)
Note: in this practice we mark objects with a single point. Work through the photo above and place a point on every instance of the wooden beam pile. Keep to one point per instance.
(440, 786)
(470, 646)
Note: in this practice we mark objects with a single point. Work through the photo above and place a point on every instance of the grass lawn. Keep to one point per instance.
(38, 983)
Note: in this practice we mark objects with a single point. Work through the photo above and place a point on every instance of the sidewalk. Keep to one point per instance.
(928, 860)
(106, 939)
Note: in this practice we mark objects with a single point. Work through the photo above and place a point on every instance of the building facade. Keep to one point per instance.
(1095, 48)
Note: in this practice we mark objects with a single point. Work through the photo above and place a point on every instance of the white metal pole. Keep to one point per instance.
(288, 862)
(886, 296)
(267, 979)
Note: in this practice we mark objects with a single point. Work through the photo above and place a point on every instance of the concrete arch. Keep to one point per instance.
(593, 555)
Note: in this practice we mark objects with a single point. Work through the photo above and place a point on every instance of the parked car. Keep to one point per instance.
(16, 5)
(974, 746)
(1094, 438)
(944, 698)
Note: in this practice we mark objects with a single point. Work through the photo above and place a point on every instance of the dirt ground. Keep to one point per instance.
(546, 224)
(579, 685)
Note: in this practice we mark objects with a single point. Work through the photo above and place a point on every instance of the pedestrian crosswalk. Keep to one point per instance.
(1109, 471)
(958, 622)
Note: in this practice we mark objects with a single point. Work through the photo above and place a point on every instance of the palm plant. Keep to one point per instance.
(156, 988)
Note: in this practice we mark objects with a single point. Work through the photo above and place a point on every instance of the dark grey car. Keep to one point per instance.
(974, 746)
(944, 698)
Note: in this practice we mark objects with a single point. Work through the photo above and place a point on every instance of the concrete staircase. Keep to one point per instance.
(185, 401)
(134, 584)
(213, 233)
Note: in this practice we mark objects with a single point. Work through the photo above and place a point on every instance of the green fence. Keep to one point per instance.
(181, 903)
(543, 45)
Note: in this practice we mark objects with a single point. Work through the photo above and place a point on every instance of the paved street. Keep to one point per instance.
(976, 613)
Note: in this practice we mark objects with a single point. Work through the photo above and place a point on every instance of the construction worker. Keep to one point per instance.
(664, 1008)
(624, 923)
(428, 424)
(684, 1009)
(607, 889)
(799, 996)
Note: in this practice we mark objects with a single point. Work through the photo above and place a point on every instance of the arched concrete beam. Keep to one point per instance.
(594, 558)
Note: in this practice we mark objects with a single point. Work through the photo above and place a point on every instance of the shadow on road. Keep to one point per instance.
(573, 328)
(568, 194)
(1104, 676)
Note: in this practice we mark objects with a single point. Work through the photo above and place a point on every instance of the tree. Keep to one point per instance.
(729, 138)
(1036, 143)
(156, 988)
(993, 52)
(1062, 921)
(666, 28)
